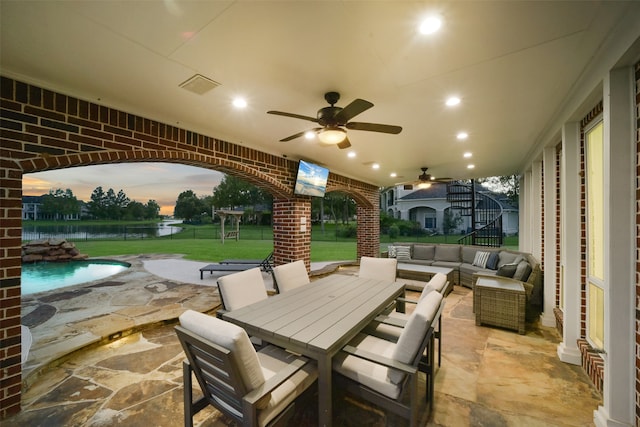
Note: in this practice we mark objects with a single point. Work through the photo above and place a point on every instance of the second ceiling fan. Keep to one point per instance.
(335, 120)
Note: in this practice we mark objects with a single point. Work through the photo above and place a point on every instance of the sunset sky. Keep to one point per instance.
(162, 182)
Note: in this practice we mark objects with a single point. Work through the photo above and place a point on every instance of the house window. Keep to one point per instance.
(596, 293)
(429, 223)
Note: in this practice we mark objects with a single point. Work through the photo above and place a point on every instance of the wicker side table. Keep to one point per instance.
(500, 302)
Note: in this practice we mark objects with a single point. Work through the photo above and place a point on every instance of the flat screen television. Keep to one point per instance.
(311, 180)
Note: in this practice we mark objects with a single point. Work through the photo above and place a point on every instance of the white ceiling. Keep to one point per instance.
(512, 63)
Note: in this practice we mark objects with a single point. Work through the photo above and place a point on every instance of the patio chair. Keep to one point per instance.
(242, 288)
(383, 372)
(389, 326)
(252, 388)
(265, 264)
(378, 268)
(290, 276)
(235, 265)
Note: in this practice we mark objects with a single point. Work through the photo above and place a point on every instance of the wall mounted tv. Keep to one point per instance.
(311, 180)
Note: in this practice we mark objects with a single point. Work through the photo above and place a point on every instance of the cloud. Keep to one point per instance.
(162, 182)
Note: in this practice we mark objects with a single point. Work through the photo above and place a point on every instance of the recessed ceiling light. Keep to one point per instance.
(239, 103)
(430, 25)
(471, 166)
(309, 134)
(462, 135)
(393, 174)
(453, 101)
(375, 166)
(467, 155)
(351, 154)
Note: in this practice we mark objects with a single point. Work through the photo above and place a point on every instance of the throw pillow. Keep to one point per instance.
(509, 258)
(523, 270)
(403, 253)
(392, 251)
(507, 270)
(480, 259)
(492, 262)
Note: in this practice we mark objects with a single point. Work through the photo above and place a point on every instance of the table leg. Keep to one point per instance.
(324, 391)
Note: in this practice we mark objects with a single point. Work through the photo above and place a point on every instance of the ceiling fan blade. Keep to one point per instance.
(295, 116)
(297, 135)
(344, 144)
(352, 110)
(374, 127)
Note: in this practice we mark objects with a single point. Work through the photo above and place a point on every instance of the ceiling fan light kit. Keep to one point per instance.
(332, 135)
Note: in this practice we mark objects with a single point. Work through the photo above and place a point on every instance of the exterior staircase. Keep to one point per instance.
(484, 211)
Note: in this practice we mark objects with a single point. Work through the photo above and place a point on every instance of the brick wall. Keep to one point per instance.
(43, 130)
(637, 75)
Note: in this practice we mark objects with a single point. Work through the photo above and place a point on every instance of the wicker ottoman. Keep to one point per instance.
(500, 302)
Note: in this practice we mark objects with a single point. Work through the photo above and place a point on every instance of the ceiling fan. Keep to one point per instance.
(334, 120)
(424, 180)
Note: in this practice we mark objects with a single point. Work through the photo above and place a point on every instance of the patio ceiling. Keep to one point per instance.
(513, 64)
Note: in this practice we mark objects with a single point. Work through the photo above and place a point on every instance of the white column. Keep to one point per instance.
(570, 243)
(619, 159)
(524, 208)
(550, 250)
(535, 218)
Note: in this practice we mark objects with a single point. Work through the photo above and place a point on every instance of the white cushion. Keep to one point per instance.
(437, 283)
(414, 331)
(378, 268)
(290, 276)
(273, 359)
(231, 337)
(481, 258)
(370, 374)
(242, 288)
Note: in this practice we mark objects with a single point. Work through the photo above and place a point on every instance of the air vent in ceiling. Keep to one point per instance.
(199, 84)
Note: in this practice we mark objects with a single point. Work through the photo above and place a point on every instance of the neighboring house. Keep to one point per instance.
(428, 206)
(32, 210)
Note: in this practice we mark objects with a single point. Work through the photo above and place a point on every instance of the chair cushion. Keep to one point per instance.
(468, 254)
(231, 337)
(414, 331)
(507, 270)
(274, 359)
(378, 268)
(424, 252)
(368, 373)
(508, 258)
(290, 276)
(243, 288)
(437, 282)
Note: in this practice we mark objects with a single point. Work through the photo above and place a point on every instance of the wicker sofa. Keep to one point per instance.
(466, 263)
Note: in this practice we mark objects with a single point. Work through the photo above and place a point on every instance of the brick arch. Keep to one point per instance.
(244, 171)
(45, 130)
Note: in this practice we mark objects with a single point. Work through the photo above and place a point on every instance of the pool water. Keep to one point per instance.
(45, 276)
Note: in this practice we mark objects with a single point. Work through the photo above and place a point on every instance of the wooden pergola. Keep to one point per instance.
(236, 215)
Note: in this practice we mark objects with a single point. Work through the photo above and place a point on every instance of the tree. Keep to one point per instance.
(189, 206)
(450, 221)
(97, 206)
(59, 203)
(233, 193)
(508, 185)
(152, 210)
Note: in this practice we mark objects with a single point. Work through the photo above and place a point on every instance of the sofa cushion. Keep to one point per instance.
(424, 252)
(468, 254)
(508, 258)
(480, 260)
(403, 253)
(507, 270)
(523, 270)
(492, 262)
(447, 253)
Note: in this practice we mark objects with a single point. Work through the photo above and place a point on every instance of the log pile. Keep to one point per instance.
(52, 250)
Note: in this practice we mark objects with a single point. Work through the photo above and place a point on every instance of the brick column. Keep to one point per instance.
(10, 270)
(292, 231)
(369, 230)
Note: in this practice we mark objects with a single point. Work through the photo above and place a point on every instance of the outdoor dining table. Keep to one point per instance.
(317, 320)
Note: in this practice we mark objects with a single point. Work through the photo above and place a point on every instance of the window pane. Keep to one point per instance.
(596, 315)
(595, 201)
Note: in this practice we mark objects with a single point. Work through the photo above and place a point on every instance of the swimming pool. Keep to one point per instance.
(45, 276)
